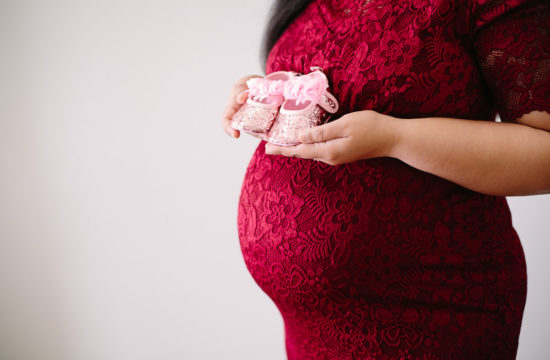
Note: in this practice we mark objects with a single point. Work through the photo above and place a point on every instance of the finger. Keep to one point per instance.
(322, 133)
(237, 90)
(230, 110)
(234, 104)
(328, 152)
(241, 85)
(227, 116)
(234, 133)
(226, 121)
(242, 96)
(244, 79)
(304, 151)
(238, 96)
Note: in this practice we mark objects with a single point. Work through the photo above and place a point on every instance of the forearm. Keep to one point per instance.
(492, 158)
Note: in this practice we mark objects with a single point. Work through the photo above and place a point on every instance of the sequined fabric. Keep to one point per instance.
(375, 259)
(254, 118)
(287, 126)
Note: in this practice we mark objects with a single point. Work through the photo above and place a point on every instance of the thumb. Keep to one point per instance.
(321, 133)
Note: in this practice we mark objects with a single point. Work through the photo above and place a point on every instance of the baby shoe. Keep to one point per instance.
(307, 104)
(265, 96)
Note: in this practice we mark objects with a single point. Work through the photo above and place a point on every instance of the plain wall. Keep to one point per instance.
(119, 190)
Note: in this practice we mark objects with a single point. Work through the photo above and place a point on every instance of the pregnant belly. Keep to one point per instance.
(317, 237)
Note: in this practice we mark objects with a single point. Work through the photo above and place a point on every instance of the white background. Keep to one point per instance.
(119, 190)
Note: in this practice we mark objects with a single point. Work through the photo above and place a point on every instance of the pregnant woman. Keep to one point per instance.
(385, 234)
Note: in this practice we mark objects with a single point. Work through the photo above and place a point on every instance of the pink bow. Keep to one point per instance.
(261, 88)
(309, 87)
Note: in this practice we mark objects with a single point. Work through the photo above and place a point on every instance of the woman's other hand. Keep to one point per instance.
(355, 136)
(236, 99)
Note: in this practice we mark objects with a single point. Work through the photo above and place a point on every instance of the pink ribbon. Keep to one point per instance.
(309, 87)
(261, 88)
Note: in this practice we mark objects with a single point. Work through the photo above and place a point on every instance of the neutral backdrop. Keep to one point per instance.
(119, 190)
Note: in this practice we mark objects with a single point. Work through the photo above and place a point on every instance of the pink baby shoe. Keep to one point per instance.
(307, 104)
(265, 96)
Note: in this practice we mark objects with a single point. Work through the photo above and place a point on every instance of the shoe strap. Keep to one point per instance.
(329, 103)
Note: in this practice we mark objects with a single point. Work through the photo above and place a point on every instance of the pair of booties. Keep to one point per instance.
(283, 103)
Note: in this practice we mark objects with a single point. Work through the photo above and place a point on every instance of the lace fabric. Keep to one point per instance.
(513, 52)
(376, 259)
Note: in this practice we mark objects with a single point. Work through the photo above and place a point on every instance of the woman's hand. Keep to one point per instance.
(357, 135)
(236, 99)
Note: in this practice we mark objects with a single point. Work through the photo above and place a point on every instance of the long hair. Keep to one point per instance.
(282, 13)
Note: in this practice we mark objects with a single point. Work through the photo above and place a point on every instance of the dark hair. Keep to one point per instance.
(282, 13)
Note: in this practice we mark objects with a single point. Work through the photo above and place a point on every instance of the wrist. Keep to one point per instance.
(395, 135)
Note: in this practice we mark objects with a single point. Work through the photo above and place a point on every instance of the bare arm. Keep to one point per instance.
(488, 157)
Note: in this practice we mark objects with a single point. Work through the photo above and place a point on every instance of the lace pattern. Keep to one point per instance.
(375, 259)
(513, 52)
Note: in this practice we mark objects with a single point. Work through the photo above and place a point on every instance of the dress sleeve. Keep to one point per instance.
(511, 40)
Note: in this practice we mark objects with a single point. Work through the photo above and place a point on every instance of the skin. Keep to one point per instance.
(236, 99)
(502, 159)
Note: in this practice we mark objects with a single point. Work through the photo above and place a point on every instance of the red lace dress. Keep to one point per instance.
(376, 259)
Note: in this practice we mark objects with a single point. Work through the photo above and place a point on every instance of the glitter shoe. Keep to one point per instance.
(307, 104)
(265, 96)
